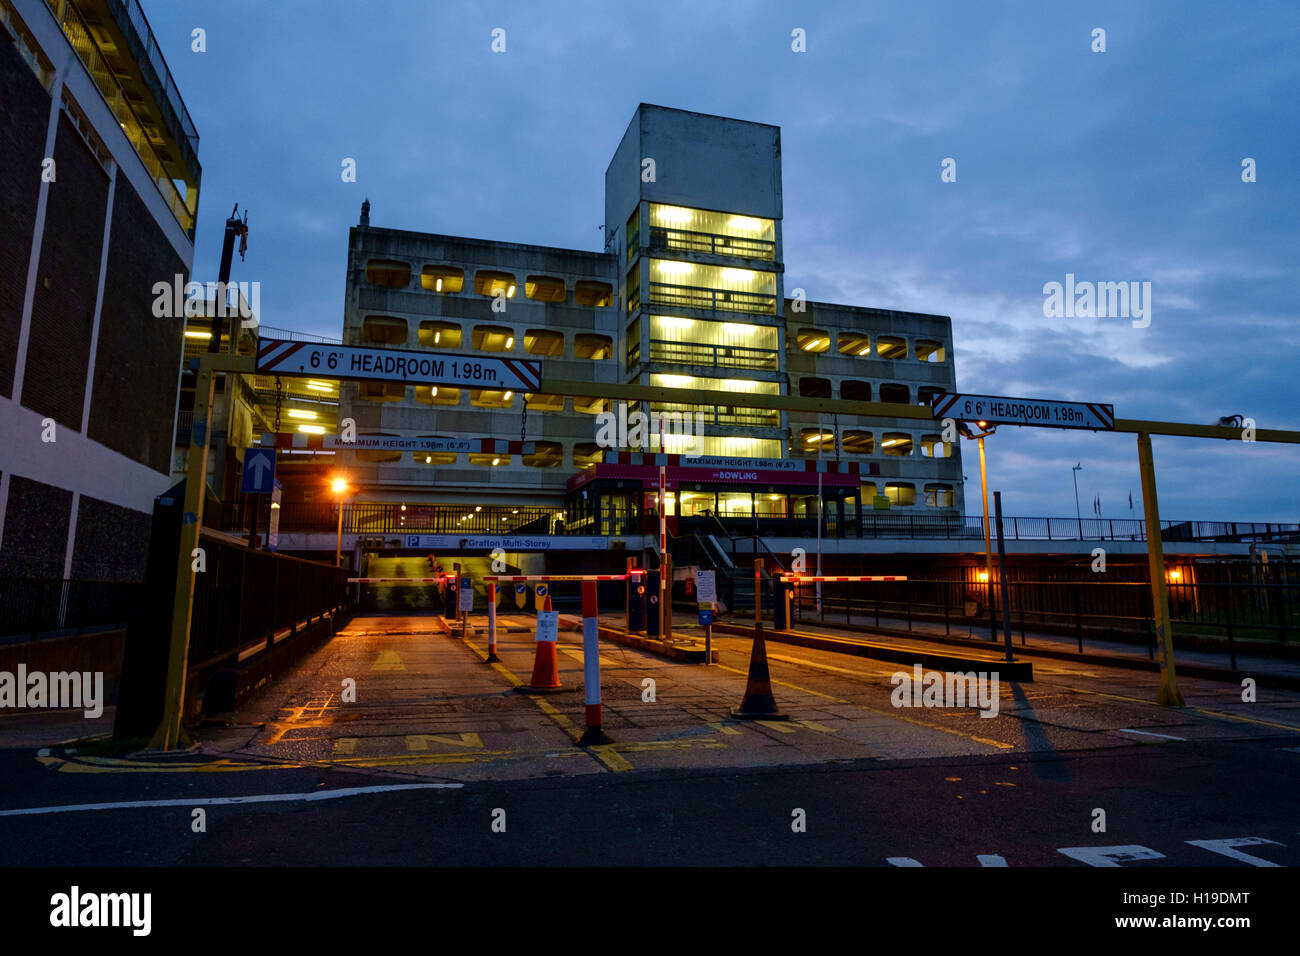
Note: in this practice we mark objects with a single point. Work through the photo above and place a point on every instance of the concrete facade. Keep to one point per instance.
(695, 262)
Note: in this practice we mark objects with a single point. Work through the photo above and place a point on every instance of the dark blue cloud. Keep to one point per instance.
(1116, 166)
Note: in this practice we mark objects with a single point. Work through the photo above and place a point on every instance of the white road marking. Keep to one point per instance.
(226, 801)
(1228, 848)
(1147, 733)
(1109, 856)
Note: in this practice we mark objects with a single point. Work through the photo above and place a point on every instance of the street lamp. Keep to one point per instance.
(1077, 514)
(340, 488)
(986, 430)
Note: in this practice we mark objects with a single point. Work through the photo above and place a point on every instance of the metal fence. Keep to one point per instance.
(391, 518)
(245, 598)
(44, 605)
(369, 518)
(1241, 604)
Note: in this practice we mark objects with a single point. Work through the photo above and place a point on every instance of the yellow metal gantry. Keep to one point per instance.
(170, 733)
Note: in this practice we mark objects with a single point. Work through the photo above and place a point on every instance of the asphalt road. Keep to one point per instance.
(451, 767)
(947, 812)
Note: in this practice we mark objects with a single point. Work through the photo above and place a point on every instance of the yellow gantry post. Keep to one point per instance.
(1169, 694)
(988, 544)
(170, 734)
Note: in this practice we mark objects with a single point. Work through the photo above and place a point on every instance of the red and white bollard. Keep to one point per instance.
(492, 623)
(591, 666)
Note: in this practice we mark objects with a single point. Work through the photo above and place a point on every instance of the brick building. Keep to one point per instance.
(99, 198)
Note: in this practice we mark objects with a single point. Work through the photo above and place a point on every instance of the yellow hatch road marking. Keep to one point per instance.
(1249, 720)
(722, 728)
(813, 725)
(1200, 710)
(388, 661)
(602, 753)
(578, 655)
(421, 741)
(805, 690)
(887, 713)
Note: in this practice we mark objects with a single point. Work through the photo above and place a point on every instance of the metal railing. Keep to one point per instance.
(379, 519)
(390, 518)
(713, 244)
(724, 414)
(169, 87)
(292, 335)
(711, 300)
(1230, 609)
(246, 597)
(81, 39)
(42, 605)
(712, 356)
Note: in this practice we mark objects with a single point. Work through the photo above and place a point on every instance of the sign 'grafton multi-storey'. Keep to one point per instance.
(280, 357)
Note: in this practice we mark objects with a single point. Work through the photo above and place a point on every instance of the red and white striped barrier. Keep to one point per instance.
(842, 577)
(438, 580)
(561, 577)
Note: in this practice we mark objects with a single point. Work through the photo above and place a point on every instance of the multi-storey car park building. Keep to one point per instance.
(690, 293)
(99, 195)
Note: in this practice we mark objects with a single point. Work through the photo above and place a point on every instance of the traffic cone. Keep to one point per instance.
(546, 666)
(758, 702)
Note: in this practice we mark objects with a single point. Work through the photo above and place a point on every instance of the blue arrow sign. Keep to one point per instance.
(259, 471)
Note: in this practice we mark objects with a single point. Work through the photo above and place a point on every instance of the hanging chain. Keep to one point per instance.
(523, 429)
(836, 425)
(279, 398)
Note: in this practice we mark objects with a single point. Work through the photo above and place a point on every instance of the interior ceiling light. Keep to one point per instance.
(673, 214)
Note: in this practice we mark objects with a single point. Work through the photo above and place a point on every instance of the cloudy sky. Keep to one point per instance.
(1117, 166)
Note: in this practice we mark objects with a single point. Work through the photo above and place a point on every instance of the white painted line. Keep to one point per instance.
(226, 801)
(1290, 750)
(1147, 733)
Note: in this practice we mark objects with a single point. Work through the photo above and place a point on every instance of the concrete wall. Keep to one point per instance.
(411, 478)
(710, 162)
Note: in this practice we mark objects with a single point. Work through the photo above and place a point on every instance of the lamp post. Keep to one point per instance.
(1077, 514)
(340, 488)
(987, 430)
